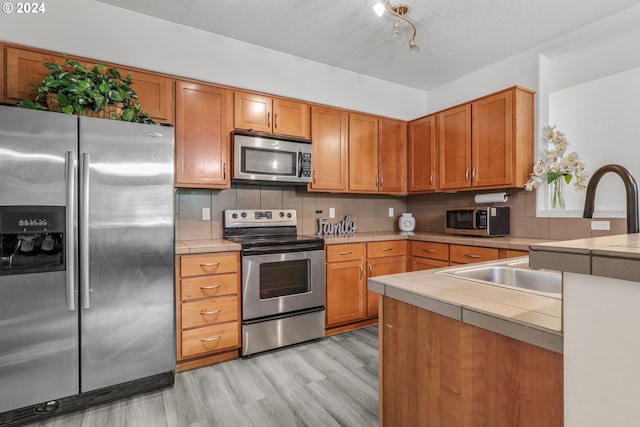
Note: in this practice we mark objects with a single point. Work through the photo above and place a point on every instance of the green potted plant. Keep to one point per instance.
(98, 92)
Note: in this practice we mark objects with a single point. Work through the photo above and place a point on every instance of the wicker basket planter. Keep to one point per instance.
(106, 113)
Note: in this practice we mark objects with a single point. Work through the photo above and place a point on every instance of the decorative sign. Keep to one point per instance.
(346, 226)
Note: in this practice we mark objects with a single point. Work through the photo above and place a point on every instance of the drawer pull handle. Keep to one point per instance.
(430, 251)
(344, 253)
(210, 312)
(209, 264)
(211, 339)
(209, 287)
(386, 249)
(472, 256)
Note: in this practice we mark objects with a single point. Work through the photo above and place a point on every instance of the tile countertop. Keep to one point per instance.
(524, 316)
(184, 247)
(616, 257)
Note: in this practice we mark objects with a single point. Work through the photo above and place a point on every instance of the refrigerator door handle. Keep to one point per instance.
(84, 231)
(70, 230)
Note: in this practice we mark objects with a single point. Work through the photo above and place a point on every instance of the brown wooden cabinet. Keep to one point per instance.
(346, 283)
(207, 309)
(487, 143)
(388, 257)
(377, 155)
(428, 255)
(261, 113)
(437, 371)
(329, 149)
(422, 175)
(24, 67)
(464, 254)
(203, 129)
(349, 303)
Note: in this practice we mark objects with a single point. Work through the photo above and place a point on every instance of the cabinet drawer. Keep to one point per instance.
(210, 339)
(206, 312)
(431, 250)
(209, 286)
(200, 265)
(467, 254)
(345, 252)
(418, 263)
(387, 248)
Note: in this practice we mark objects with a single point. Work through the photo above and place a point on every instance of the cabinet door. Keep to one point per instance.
(155, 94)
(252, 112)
(423, 171)
(346, 283)
(329, 158)
(291, 118)
(23, 69)
(380, 267)
(492, 140)
(454, 147)
(363, 153)
(392, 156)
(202, 135)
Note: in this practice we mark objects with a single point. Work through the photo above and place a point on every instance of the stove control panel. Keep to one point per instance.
(242, 218)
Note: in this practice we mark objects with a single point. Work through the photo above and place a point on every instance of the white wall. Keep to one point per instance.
(97, 30)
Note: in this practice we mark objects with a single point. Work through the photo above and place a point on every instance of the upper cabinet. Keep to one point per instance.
(203, 135)
(329, 155)
(487, 143)
(422, 172)
(24, 67)
(377, 155)
(273, 115)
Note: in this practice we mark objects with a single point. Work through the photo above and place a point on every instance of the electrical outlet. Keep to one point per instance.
(206, 214)
(390, 212)
(600, 225)
(332, 212)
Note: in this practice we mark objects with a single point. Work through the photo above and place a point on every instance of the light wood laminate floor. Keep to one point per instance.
(332, 382)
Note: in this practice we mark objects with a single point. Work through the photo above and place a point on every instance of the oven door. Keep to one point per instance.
(281, 283)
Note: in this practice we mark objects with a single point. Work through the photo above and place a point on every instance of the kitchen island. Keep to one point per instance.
(600, 320)
(461, 353)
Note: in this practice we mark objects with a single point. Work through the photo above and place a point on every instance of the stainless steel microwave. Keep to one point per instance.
(485, 221)
(269, 159)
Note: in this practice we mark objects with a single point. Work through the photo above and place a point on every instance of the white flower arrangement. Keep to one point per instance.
(556, 164)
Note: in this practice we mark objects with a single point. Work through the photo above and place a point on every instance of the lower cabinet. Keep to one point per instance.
(437, 371)
(428, 255)
(207, 309)
(348, 302)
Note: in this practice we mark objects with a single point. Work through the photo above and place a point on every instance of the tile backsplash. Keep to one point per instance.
(369, 212)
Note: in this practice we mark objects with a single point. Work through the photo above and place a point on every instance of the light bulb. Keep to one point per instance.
(413, 47)
(396, 27)
(379, 8)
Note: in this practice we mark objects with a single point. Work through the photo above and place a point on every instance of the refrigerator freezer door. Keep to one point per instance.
(128, 314)
(38, 333)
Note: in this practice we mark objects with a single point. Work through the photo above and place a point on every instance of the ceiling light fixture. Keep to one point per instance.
(399, 11)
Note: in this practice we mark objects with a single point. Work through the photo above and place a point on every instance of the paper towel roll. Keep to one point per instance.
(491, 198)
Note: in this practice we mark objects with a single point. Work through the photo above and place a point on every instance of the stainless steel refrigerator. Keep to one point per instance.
(87, 311)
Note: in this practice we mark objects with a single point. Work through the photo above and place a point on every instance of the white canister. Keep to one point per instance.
(407, 222)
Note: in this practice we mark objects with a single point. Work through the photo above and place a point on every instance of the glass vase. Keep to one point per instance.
(557, 193)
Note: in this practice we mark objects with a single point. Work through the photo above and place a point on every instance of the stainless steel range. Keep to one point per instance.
(283, 279)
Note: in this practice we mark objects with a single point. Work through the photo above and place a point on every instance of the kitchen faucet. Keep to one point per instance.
(630, 186)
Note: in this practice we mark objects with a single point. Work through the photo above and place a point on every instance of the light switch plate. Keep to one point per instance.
(600, 225)
(206, 214)
(390, 212)
(332, 212)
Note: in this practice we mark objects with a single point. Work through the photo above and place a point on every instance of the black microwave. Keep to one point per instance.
(485, 221)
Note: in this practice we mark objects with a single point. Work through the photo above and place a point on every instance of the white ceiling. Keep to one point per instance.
(456, 37)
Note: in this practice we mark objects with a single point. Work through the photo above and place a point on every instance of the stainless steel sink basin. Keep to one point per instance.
(514, 275)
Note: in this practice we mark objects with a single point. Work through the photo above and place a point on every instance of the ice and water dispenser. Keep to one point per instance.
(32, 239)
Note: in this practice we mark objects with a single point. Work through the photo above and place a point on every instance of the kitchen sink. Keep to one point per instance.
(513, 275)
